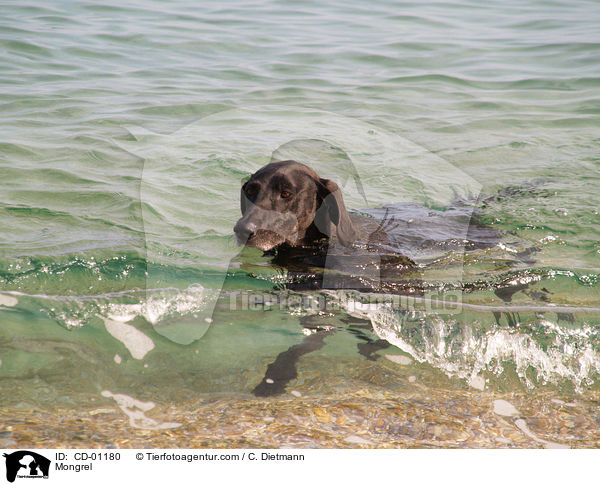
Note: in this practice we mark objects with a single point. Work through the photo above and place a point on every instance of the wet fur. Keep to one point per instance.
(301, 231)
(313, 213)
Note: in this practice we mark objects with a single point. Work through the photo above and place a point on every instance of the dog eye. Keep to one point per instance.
(250, 191)
(285, 194)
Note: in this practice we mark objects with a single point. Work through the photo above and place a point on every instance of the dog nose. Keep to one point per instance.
(244, 230)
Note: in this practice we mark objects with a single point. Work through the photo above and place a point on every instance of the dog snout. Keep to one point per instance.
(244, 230)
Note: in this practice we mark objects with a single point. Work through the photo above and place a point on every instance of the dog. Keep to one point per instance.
(287, 204)
(290, 212)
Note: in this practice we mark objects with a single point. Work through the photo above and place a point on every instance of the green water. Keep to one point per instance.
(128, 127)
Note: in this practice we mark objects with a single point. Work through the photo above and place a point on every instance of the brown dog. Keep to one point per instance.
(287, 203)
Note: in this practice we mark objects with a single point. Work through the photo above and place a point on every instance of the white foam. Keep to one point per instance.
(477, 382)
(6, 300)
(399, 359)
(468, 351)
(506, 248)
(137, 342)
(118, 358)
(504, 408)
(165, 303)
(180, 315)
(135, 410)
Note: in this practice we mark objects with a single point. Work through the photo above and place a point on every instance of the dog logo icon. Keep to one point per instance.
(26, 464)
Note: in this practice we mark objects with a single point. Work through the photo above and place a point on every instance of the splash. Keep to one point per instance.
(182, 316)
(540, 353)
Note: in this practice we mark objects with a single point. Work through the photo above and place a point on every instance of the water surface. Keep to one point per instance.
(127, 129)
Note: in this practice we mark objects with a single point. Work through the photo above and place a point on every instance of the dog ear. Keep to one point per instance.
(243, 199)
(331, 197)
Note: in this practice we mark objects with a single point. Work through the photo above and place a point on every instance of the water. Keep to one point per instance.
(127, 129)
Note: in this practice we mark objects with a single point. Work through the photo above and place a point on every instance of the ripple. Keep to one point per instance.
(98, 221)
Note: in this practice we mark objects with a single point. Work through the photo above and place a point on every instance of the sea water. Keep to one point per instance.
(127, 131)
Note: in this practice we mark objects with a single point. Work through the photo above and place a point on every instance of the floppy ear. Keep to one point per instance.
(331, 197)
(243, 199)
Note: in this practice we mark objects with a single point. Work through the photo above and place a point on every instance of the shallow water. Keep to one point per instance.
(127, 130)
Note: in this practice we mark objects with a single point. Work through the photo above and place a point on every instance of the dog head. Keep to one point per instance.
(288, 203)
